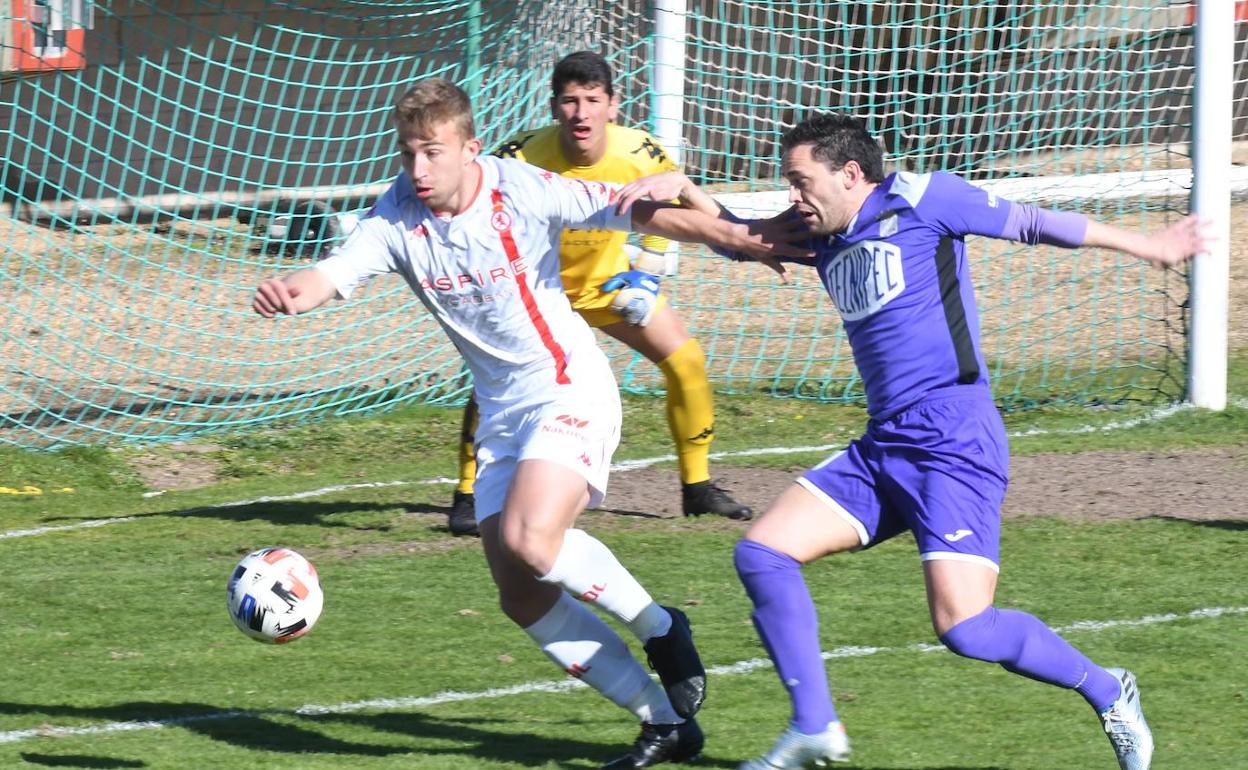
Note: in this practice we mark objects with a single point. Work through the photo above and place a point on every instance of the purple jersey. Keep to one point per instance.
(899, 277)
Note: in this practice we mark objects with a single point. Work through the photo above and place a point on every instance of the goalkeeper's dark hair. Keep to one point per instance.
(835, 140)
(431, 102)
(585, 68)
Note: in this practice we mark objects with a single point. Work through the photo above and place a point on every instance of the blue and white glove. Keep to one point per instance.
(637, 295)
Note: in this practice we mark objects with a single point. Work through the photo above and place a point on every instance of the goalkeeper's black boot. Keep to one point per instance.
(674, 658)
(704, 497)
(661, 743)
(462, 518)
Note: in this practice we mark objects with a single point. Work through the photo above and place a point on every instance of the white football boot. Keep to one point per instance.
(1124, 724)
(799, 751)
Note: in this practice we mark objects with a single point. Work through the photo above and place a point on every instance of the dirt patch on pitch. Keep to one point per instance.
(178, 466)
(1198, 485)
(1194, 484)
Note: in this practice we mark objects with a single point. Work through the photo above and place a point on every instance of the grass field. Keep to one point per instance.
(118, 652)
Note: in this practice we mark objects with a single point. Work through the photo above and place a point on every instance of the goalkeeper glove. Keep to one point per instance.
(636, 295)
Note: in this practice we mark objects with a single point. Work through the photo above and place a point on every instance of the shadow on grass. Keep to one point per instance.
(276, 512)
(431, 509)
(275, 731)
(519, 748)
(289, 732)
(634, 514)
(302, 512)
(78, 760)
(1233, 525)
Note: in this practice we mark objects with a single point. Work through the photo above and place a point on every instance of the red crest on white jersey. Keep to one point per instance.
(500, 220)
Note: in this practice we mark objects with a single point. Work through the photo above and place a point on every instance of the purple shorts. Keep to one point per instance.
(938, 468)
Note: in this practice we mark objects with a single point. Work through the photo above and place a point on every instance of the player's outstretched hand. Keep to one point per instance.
(665, 186)
(273, 296)
(636, 295)
(1164, 248)
(1179, 242)
(768, 240)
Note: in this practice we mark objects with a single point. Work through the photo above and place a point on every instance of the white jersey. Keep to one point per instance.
(490, 275)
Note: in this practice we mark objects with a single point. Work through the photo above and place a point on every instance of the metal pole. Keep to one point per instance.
(1211, 200)
(669, 75)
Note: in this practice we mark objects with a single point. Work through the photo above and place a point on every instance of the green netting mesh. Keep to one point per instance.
(141, 194)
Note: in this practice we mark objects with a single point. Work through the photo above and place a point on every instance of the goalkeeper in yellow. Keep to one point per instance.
(617, 298)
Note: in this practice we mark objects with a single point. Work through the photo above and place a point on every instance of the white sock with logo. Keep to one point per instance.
(580, 643)
(588, 570)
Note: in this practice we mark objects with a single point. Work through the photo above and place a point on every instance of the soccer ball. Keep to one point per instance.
(298, 229)
(274, 595)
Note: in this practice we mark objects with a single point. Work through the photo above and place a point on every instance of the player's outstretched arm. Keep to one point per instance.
(674, 185)
(295, 293)
(1168, 247)
(767, 241)
(667, 186)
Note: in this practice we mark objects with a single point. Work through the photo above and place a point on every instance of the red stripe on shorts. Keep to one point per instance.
(526, 296)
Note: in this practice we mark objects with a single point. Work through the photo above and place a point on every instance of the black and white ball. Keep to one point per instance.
(274, 595)
(299, 229)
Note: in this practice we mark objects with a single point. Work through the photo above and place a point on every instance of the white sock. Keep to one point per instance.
(589, 571)
(579, 642)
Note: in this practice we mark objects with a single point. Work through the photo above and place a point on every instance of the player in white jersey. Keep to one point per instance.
(476, 238)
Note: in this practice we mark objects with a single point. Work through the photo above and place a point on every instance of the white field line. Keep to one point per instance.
(1157, 415)
(557, 686)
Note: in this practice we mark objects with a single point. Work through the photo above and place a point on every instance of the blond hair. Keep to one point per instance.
(430, 103)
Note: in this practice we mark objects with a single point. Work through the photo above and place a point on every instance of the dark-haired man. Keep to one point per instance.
(890, 251)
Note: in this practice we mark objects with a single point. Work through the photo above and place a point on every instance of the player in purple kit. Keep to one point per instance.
(890, 251)
(477, 240)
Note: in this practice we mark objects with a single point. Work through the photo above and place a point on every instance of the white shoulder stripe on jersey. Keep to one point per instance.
(910, 186)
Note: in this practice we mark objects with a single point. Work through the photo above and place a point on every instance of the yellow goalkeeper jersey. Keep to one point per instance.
(588, 258)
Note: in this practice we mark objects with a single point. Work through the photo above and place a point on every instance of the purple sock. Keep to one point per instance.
(785, 618)
(1023, 644)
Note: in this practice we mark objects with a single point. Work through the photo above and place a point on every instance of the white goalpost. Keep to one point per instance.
(1211, 200)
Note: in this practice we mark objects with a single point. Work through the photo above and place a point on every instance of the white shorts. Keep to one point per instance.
(580, 431)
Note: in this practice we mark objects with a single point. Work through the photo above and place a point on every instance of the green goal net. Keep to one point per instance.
(158, 159)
